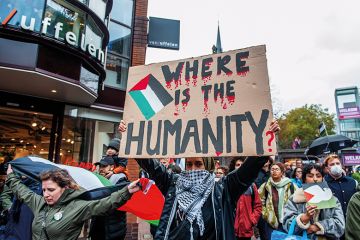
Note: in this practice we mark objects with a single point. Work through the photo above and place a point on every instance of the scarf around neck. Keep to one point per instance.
(281, 183)
(280, 187)
(192, 190)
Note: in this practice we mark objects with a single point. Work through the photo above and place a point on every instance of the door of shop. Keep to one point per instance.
(30, 126)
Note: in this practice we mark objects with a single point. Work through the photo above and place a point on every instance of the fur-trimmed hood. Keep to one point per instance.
(299, 196)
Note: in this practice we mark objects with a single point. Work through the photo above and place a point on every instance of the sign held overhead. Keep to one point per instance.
(214, 105)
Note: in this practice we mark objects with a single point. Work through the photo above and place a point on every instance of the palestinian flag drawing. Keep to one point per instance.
(319, 194)
(146, 204)
(150, 96)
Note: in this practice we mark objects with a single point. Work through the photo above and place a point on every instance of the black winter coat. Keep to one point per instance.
(111, 227)
(343, 188)
(224, 196)
(20, 215)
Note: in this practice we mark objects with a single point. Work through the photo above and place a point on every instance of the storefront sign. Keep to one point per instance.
(350, 159)
(70, 37)
(214, 105)
(164, 33)
(345, 113)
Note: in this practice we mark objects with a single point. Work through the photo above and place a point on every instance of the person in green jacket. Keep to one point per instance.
(352, 225)
(59, 213)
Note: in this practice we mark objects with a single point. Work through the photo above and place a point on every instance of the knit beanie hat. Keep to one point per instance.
(114, 143)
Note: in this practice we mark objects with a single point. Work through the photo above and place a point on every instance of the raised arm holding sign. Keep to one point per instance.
(194, 200)
(217, 105)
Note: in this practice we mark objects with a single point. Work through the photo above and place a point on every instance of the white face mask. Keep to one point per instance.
(293, 167)
(336, 170)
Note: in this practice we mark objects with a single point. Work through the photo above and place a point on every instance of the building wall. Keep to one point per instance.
(348, 112)
(136, 230)
(140, 33)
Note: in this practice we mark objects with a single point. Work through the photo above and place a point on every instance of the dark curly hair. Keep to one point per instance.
(307, 169)
(61, 177)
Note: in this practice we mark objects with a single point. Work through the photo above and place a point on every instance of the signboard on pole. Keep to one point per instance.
(164, 33)
(351, 159)
(347, 113)
(214, 105)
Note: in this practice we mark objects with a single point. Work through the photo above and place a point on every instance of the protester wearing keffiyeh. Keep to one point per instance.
(192, 190)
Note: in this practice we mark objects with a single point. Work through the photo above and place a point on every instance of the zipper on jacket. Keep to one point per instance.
(172, 213)
(213, 202)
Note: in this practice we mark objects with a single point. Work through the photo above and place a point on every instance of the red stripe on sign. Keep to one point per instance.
(9, 17)
(142, 84)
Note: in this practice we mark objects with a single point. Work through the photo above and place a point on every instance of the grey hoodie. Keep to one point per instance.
(330, 221)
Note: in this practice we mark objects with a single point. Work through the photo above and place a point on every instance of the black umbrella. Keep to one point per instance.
(331, 143)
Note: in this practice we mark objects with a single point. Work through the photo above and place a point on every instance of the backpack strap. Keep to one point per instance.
(292, 188)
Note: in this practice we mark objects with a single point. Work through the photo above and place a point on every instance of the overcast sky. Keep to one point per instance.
(313, 46)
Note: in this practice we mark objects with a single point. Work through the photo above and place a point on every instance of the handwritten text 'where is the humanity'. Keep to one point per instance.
(173, 80)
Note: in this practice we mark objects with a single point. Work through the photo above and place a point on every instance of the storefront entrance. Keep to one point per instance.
(29, 126)
(52, 130)
(22, 131)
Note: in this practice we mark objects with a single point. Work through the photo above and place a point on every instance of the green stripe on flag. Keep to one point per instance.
(143, 104)
(153, 222)
(103, 180)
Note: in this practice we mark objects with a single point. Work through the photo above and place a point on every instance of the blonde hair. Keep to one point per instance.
(329, 158)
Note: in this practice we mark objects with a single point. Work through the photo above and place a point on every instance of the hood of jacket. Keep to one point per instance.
(299, 196)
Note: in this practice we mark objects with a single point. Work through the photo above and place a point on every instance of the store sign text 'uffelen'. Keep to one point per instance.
(70, 37)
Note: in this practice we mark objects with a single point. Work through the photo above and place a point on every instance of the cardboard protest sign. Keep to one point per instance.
(214, 105)
(319, 194)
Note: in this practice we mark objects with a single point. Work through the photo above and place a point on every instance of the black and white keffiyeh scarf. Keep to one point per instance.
(192, 189)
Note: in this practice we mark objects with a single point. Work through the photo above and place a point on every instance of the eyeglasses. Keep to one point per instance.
(275, 170)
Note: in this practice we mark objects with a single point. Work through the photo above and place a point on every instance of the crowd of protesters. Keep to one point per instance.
(280, 200)
(252, 198)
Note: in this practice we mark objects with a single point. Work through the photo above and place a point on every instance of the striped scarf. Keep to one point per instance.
(192, 189)
(280, 187)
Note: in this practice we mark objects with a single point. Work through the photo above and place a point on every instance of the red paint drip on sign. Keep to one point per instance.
(242, 74)
(194, 81)
(176, 113)
(206, 107)
(178, 81)
(231, 99)
(216, 97)
(187, 82)
(206, 79)
(184, 106)
(168, 84)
